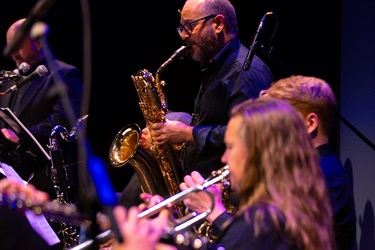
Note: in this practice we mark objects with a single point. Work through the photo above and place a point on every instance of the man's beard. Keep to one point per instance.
(208, 47)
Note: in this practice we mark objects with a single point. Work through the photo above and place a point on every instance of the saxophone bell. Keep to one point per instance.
(124, 145)
(125, 150)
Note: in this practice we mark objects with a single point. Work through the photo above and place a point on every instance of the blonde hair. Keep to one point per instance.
(308, 94)
(282, 172)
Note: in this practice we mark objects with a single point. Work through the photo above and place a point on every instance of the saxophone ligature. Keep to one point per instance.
(159, 168)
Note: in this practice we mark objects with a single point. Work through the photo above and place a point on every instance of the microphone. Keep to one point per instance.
(41, 70)
(24, 68)
(250, 54)
(38, 11)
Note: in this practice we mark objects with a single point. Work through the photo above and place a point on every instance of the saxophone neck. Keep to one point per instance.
(163, 66)
(65, 134)
(178, 54)
(160, 69)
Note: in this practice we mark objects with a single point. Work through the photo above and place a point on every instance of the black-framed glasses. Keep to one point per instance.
(188, 27)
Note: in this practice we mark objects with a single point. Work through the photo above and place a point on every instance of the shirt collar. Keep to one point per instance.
(223, 54)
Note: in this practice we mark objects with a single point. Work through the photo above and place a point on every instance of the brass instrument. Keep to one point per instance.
(158, 172)
(178, 229)
(159, 168)
(205, 228)
(189, 219)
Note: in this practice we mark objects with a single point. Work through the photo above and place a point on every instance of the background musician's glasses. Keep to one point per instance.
(189, 26)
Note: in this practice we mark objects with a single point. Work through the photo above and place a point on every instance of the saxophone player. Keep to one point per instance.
(209, 29)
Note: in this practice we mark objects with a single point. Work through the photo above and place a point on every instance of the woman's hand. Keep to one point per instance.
(200, 201)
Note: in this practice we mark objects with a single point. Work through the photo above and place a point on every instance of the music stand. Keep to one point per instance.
(38, 222)
(22, 132)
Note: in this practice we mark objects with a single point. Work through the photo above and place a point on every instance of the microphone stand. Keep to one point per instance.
(254, 44)
(37, 13)
(250, 55)
(261, 44)
(91, 200)
(357, 132)
(88, 202)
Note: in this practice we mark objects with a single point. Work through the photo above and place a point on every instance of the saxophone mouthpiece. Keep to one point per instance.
(180, 53)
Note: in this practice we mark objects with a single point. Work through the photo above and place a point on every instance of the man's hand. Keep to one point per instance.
(10, 135)
(173, 132)
(138, 233)
(145, 141)
(9, 186)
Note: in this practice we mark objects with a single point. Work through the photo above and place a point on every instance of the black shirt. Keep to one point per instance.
(224, 85)
(341, 197)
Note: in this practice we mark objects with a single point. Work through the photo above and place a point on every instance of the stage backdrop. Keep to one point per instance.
(332, 41)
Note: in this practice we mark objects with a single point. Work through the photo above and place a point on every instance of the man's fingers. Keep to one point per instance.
(197, 177)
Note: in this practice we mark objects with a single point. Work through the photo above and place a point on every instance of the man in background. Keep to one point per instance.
(41, 104)
(314, 99)
(209, 29)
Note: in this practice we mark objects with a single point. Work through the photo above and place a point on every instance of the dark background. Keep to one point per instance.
(132, 35)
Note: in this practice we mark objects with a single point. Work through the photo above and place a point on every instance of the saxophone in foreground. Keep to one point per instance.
(159, 168)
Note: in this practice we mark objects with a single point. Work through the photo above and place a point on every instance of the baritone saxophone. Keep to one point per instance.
(159, 168)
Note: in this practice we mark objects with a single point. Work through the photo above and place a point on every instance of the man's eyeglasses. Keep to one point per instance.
(188, 27)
